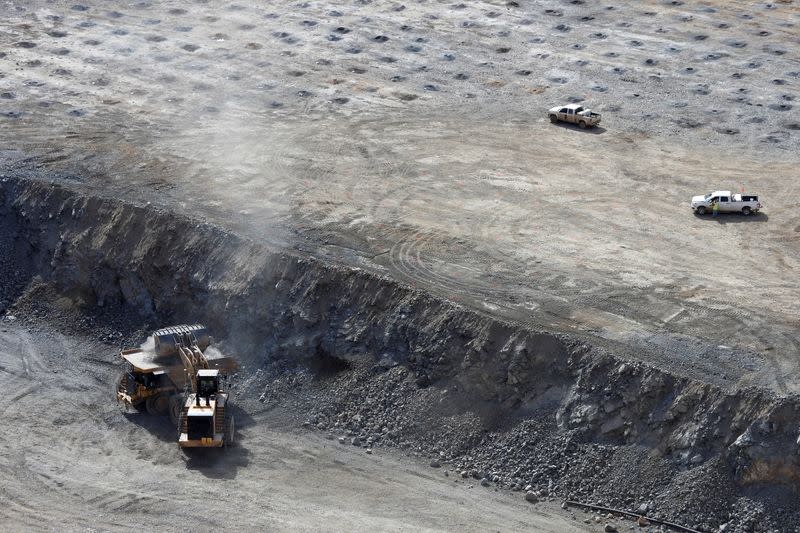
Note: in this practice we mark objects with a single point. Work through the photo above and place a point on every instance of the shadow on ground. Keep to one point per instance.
(732, 218)
(597, 130)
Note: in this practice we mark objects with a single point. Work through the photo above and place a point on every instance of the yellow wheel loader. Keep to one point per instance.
(160, 375)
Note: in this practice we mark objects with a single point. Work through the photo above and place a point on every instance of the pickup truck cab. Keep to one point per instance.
(574, 114)
(727, 202)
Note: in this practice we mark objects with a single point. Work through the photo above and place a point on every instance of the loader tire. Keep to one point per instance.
(158, 404)
(582, 124)
(175, 406)
(701, 210)
(553, 119)
(746, 211)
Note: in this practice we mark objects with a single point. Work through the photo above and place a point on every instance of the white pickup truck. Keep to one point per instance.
(728, 203)
(575, 114)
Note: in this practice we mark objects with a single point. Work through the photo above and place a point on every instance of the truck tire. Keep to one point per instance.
(158, 404)
(582, 124)
(230, 433)
(746, 210)
(553, 119)
(175, 407)
(701, 210)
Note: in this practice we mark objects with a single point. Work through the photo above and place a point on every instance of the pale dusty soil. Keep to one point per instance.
(74, 461)
(303, 127)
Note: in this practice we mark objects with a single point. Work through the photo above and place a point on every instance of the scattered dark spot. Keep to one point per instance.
(558, 80)
(778, 81)
(599, 35)
(587, 18)
(780, 107)
(33, 83)
(8, 96)
(309, 23)
(688, 123)
(295, 73)
(25, 44)
(80, 7)
(763, 33)
(412, 48)
(461, 76)
(387, 59)
(727, 131)
(62, 72)
(190, 47)
(792, 126)
(787, 97)
(380, 38)
(61, 51)
(690, 70)
(701, 89)
(713, 56)
(353, 50)
(219, 37)
(87, 24)
(523, 72)
(253, 46)
(468, 24)
(554, 12)
(753, 64)
(611, 54)
(303, 94)
(33, 63)
(76, 112)
(736, 44)
(120, 31)
(635, 43)
(651, 61)
(492, 14)
(152, 22)
(449, 57)
(503, 50)
(700, 37)
(723, 25)
(420, 40)
(155, 38)
(562, 28)
(397, 78)
(405, 97)
(177, 11)
(574, 99)
(11, 114)
(430, 87)
(405, 27)
(581, 62)
(57, 33)
(599, 88)
(340, 100)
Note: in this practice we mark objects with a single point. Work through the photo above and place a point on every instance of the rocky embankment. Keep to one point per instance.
(380, 363)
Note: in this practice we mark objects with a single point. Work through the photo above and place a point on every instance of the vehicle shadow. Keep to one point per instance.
(597, 130)
(733, 218)
(219, 463)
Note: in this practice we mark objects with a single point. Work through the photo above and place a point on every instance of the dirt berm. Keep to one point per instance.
(498, 401)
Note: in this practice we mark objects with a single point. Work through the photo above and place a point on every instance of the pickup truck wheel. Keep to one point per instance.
(553, 119)
(746, 210)
(582, 124)
(701, 210)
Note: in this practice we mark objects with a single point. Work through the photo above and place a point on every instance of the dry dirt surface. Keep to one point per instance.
(76, 462)
(410, 139)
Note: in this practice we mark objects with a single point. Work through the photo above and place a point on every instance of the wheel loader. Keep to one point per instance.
(174, 376)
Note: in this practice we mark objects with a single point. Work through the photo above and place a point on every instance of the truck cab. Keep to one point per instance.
(725, 202)
(203, 421)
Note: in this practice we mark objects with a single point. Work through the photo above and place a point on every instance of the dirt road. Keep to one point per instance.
(75, 462)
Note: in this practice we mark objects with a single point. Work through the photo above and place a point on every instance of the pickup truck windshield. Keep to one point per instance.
(708, 196)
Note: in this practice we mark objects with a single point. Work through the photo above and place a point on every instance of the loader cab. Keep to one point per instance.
(207, 385)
